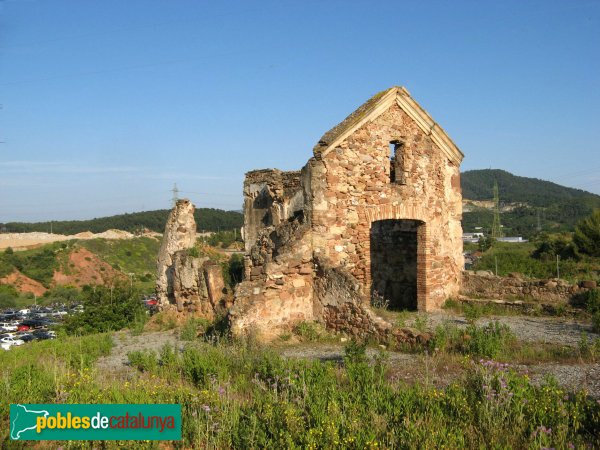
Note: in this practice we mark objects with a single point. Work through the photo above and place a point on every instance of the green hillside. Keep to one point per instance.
(207, 219)
(557, 207)
(478, 185)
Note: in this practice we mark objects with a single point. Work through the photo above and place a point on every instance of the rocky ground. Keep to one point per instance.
(438, 369)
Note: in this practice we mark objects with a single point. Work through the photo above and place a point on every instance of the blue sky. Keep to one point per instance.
(106, 104)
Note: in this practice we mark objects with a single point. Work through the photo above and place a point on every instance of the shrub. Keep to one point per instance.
(472, 312)
(106, 309)
(307, 331)
(7, 300)
(355, 352)
(596, 321)
(62, 294)
(591, 300)
(143, 360)
(421, 323)
(192, 327)
(549, 247)
(488, 341)
(587, 234)
(236, 269)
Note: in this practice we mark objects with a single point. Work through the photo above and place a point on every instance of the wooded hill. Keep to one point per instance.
(558, 207)
(207, 219)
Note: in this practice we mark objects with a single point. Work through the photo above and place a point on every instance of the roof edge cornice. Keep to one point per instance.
(403, 99)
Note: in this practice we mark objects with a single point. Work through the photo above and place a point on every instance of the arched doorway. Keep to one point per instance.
(394, 269)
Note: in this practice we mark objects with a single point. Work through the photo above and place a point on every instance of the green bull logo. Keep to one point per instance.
(95, 422)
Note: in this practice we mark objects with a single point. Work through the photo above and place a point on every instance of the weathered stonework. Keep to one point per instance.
(379, 204)
(484, 284)
(184, 282)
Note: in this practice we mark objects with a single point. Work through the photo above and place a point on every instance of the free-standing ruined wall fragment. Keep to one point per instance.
(185, 282)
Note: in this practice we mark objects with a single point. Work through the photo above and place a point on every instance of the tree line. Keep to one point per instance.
(207, 219)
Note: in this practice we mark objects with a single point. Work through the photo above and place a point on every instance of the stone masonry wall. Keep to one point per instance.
(341, 307)
(351, 188)
(484, 284)
(308, 234)
(186, 283)
(270, 197)
(180, 234)
(277, 292)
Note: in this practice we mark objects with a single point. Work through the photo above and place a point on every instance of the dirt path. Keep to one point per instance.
(439, 370)
(124, 342)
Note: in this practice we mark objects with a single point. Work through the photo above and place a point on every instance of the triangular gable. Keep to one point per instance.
(376, 106)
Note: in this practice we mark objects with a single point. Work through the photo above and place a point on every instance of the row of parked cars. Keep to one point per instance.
(34, 323)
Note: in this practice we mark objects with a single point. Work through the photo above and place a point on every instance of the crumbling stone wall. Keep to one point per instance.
(277, 292)
(180, 234)
(335, 206)
(343, 310)
(484, 284)
(270, 198)
(187, 283)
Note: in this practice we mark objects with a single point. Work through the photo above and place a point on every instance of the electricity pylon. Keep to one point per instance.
(496, 227)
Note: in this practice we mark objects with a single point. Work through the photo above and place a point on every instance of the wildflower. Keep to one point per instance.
(206, 408)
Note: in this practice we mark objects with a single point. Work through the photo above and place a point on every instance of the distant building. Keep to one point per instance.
(514, 239)
(472, 237)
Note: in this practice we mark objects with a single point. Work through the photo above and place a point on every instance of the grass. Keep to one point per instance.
(38, 264)
(497, 341)
(240, 395)
(518, 258)
(38, 372)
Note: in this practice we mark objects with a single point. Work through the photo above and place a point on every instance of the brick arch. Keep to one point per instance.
(399, 212)
(403, 211)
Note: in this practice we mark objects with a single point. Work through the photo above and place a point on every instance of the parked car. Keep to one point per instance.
(12, 341)
(5, 326)
(36, 323)
(26, 337)
(45, 335)
(5, 346)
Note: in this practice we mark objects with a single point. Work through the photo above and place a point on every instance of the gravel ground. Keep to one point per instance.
(116, 364)
(553, 330)
(439, 370)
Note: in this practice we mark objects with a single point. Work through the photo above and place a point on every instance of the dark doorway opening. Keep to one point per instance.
(394, 245)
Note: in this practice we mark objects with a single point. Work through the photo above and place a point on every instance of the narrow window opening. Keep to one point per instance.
(397, 162)
(392, 162)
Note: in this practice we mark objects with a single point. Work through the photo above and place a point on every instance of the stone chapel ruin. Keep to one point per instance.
(374, 214)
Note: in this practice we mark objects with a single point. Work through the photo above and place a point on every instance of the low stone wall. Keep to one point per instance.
(484, 284)
(341, 307)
